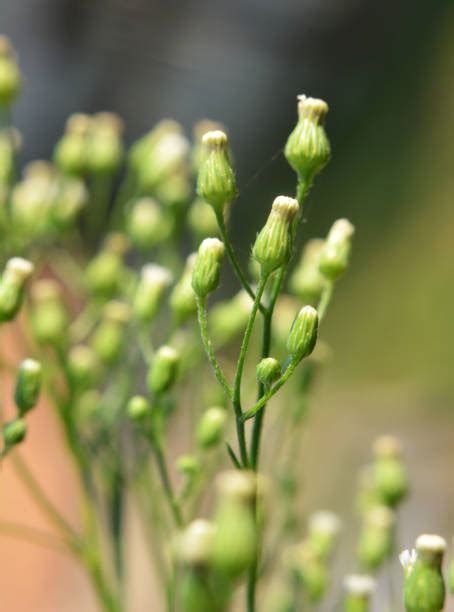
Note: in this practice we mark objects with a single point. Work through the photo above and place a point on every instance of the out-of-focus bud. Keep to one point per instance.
(202, 220)
(324, 528)
(71, 198)
(274, 244)
(153, 282)
(104, 147)
(83, 367)
(196, 542)
(335, 254)
(147, 224)
(236, 538)
(138, 408)
(216, 182)
(164, 370)
(10, 79)
(12, 284)
(376, 537)
(70, 153)
(28, 385)
(308, 149)
(424, 587)
(211, 426)
(33, 198)
(228, 319)
(207, 267)
(389, 473)
(49, 317)
(358, 593)
(175, 192)
(307, 282)
(188, 465)
(14, 433)
(307, 567)
(268, 371)
(303, 333)
(109, 337)
(104, 273)
(182, 298)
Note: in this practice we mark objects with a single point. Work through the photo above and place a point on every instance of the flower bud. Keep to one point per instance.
(424, 588)
(10, 80)
(109, 337)
(308, 149)
(83, 367)
(164, 369)
(188, 465)
(104, 147)
(147, 225)
(175, 192)
(32, 200)
(138, 408)
(273, 246)
(216, 182)
(12, 285)
(49, 317)
(196, 542)
(389, 474)
(303, 333)
(307, 282)
(324, 529)
(103, 274)
(202, 220)
(358, 593)
(376, 537)
(268, 371)
(335, 255)
(70, 153)
(207, 267)
(182, 298)
(71, 198)
(14, 433)
(309, 570)
(28, 385)
(153, 282)
(211, 427)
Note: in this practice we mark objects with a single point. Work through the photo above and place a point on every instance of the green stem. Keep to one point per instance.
(208, 346)
(232, 257)
(167, 483)
(325, 299)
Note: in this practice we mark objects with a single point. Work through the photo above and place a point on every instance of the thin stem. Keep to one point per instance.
(208, 346)
(37, 536)
(167, 483)
(255, 410)
(325, 299)
(232, 257)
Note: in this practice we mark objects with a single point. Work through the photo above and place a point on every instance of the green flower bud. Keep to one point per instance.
(175, 192)
(83, 367)
(335, 255)
(109, 337)
(307, 282)
(308, 149)
(147, 225)
(303, 333)
(153, 282)
(49, 317)
(210, 428)
(33, 199)
(390, 477)
(12, 285)
(268, 371)
(14, 433)
(424, 588)
(228, 319)
(324, 528)
(28, 385)
(236, 539)
(274, 244)
(202, 220)
(308, 569)
(182, 298)
(207, 267)
(164, 369)
(376, 537)
(71, 198)
(216, 182)
(196, 543)
(138, 408)
(70, 153)
(10, 80)
(358, 593)
(104, 147)
(103, 274)
(188, 465)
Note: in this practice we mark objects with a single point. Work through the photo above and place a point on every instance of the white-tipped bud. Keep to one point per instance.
(153, 282)
(196, 543)
(335, 255)
(19, 269)
(430, 543)
(207, 267)
(359, 585)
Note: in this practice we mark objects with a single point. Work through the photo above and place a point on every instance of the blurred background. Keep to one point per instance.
(386, 70)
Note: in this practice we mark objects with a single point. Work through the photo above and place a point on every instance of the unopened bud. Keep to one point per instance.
(103, 274)
(12, 284)
(358, 593)
(323, 529)
(376, 537)
(389, 473)
(153, 282)
(28, 385)
(309, 569)
(10, 80)
(138, 408)
(216, 182)
(424, 588)
(188, 465)
(207, 267)
(147, 224)
(83, 366)
(49, 317)
(70, 153)
(268, 371)
(196, 543)
(109, 337)
(14, 433)
(182, 298)
(164, 369)
(104, 146)
(211, 427)
(273, 246)
(335, 255)
(303, 333)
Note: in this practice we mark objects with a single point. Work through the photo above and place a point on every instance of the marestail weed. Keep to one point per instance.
(129, 350)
